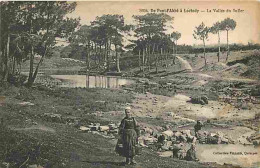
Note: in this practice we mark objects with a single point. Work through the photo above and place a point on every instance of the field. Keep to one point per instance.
(60, 143)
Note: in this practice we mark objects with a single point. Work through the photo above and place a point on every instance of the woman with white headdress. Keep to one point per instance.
(128, 130)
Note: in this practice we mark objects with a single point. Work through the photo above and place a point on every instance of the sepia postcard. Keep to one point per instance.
(143, 84)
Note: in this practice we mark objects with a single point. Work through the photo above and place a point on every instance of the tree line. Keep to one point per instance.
(202, 31)
(31, 28)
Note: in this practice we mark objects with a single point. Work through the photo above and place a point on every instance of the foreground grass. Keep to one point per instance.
(22, 143)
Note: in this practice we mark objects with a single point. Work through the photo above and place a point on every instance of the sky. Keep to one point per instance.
(246, 14)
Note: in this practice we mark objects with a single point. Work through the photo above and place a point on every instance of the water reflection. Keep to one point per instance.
(87, 81)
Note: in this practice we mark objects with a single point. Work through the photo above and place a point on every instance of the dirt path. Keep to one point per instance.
(185, 65)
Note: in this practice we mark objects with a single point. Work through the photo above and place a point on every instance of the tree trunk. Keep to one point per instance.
(149, 57)
(87, 50)
(139, 60)
(1, 63)
(117, 60)
(146, 55)
(176, 48)
(30, 78)
(95, 53)
(105, 56)
(7, 61)
(143, 59)
(42, 58)
(227, 47)
(13, 67)
(161, 56)
(109, 55)
(156, 61)
(204, 52)
(100, 55)
(218, 46)
(173, 56)
(165, 58)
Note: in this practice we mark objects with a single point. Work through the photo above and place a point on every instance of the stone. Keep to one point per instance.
(112, 126)
(104, 128)
(177, 134)
(156, 134)
(183, 138)
(26, 104)
(148, 140)
(186, 132)
(168, 143)
(224, 141)
(168, 133)
(148, 130)
(94, 128)
(84, 129)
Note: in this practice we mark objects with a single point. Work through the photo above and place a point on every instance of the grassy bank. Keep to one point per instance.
(33, 146)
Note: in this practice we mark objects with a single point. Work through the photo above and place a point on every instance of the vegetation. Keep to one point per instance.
(32, 29)
(201, 33)
(29, 29)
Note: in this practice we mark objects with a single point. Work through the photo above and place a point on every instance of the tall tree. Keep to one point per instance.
(149, 25)
(82, 37)
(201, 33)
(228, 24)
(216, 29)
(175, 36)
(112, 28)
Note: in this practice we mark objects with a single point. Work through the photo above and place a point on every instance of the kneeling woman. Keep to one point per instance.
(129, 132)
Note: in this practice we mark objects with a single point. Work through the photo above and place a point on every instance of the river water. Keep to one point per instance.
(86, 81)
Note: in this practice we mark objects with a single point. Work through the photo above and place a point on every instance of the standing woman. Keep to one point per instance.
(129, 133)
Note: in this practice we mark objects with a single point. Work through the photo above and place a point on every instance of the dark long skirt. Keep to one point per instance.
(129, 142)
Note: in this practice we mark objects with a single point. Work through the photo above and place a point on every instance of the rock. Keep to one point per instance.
(183, 138)
(224, 141)
(26, 104)
(148, 130)
(174, 139)
(114, 131)
(168, 143)
(177, 134)
(149, 140)
(168, 133)
(186, 132)
(164, 147)
(104, 128)
(94, 128)
(112, 126)
(213, 139)
(156, 134)
(84, 129)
